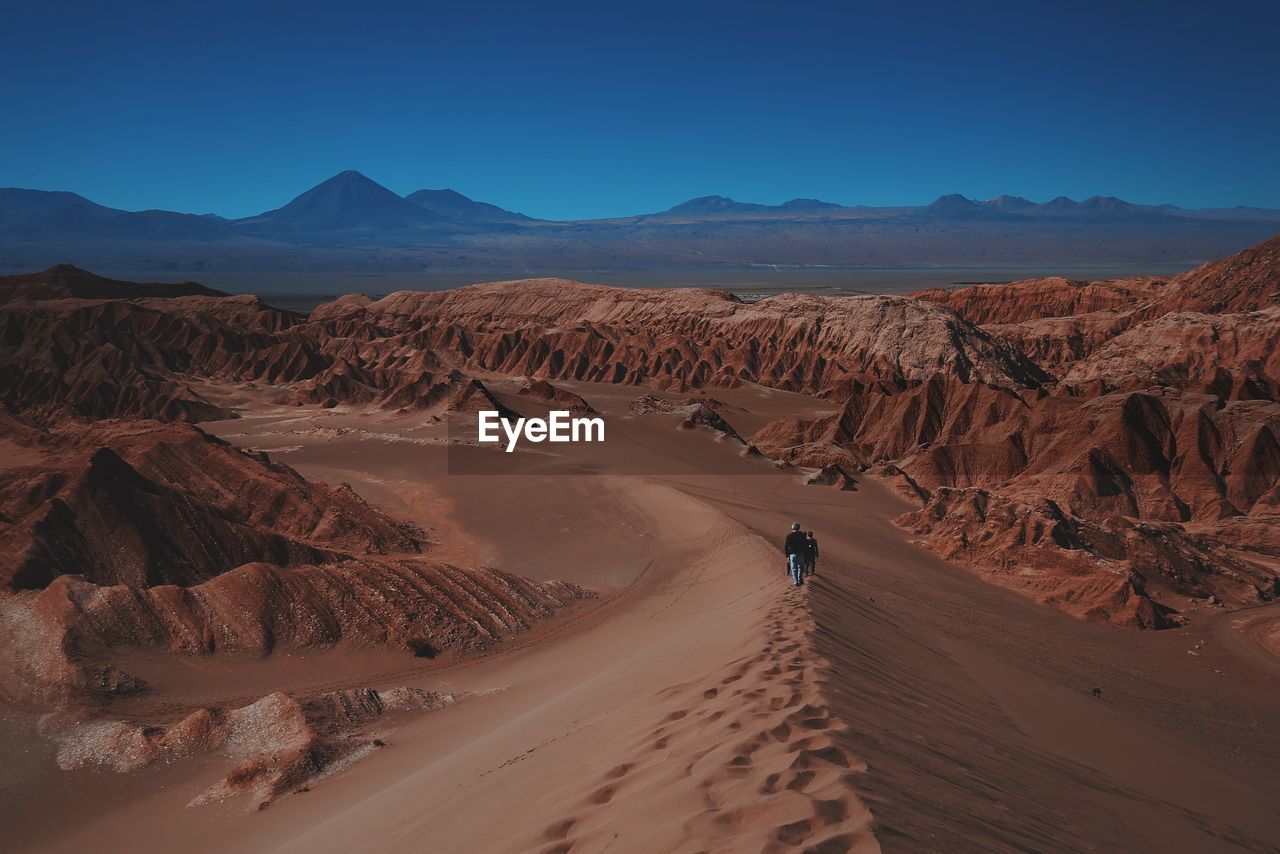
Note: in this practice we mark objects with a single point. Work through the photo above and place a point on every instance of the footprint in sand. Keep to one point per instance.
(787, 782)
(602, 795)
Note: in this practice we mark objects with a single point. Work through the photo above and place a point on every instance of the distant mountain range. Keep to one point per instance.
(350, 222)
(954, 205)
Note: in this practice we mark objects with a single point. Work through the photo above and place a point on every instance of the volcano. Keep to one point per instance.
(347, 201)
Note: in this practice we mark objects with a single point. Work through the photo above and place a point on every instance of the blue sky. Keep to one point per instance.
(569, 110)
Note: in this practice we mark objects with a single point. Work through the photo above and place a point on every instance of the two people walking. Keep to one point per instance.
(801, 550)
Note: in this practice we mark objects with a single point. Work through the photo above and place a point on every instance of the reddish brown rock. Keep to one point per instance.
(1177, 460)
(1086, 426)
(1243, 282)
(556, 397)
(143, 503)
(1039, 550)
(1233, 356)
(832, 475)
(1041, 298)
(256, 609)
(67, 282)
(1055, 343)
(1117, 570)
(1057, 322)
(382, 374)
(278, 742)
(97, 358)
(682, 339)
(474, 396)
(116, 358)
(696, 412)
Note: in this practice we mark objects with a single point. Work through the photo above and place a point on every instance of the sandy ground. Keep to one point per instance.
(894, 703)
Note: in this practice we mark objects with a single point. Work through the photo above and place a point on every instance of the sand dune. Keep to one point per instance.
(897, 703)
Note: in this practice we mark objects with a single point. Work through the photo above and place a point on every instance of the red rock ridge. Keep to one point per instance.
(95, 359)
(1243, 282)
(280, 742)
(65, 281)
(136, 358)
(60, 638)
(556, 397)
(1039, 298)
(1233, 356)
(1143, 420)
(143, 503)
(1146, 478)
(684, 338)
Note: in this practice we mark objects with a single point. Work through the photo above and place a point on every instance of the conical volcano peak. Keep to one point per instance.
(952, 201)
(353, 177)
(348, 200)
(353, 182)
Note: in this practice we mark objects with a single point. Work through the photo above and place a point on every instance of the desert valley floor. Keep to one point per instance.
(702, 702)
(618, 662)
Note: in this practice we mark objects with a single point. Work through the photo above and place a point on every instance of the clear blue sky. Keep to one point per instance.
(570, 110)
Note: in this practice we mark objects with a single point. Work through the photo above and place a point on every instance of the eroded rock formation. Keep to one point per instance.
(1039, 298)
(98, 358)
(555, 397)
(59, 640)
(143, 503)
(279, 743)
(143, 534)
(1110, 447)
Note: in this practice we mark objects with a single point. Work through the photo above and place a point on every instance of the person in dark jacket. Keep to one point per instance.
(796, 549)
(811, 554)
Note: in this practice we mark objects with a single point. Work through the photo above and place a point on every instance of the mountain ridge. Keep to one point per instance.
(69, 281)
(350, 222)
(17, 201)
(345, 201)
(453, 205)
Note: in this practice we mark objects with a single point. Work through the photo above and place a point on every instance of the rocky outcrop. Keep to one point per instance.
(1116, 570)
(145, 504)
(474, 396)
(1149, 325)
(683, 339)
(1056, 343)
(1048, 490)
(138, 358)
(61, 638)
(1152, 462)
(832, 475)
(67, 282)
(279, 743)
(140, 534)
(878, 422)
(385, 374)
(695, 412)
(1232, 356)
(1040, 298)
(1138, 415)
(1243, 282)
(555, 397)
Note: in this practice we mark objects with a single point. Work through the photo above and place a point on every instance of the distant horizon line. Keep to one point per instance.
(795, 203)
